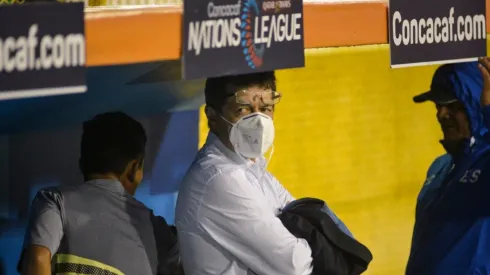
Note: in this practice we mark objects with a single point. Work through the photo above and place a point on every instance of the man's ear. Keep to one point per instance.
(134, 166)
(141, 163)
(211, 114)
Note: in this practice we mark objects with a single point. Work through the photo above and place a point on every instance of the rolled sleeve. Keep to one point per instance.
(45, 227)
(235, 216)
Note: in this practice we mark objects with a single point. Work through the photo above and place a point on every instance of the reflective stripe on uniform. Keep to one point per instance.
(66, 264)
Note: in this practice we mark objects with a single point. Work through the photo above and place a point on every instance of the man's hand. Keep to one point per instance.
(484, 67)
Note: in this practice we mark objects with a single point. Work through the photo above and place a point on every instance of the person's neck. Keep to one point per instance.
(108, 176)
(455, 148)
(130, 188)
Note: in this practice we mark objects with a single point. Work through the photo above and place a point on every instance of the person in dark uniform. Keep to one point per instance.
(98, 227)
(452, 215)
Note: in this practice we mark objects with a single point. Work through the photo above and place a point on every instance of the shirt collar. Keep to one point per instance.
(213, 141)
(110, 185)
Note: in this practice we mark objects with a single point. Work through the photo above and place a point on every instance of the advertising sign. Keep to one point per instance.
(228, 37)
(425, 32)
(42, 50)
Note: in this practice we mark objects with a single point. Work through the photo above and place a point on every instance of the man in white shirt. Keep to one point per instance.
(228, 202)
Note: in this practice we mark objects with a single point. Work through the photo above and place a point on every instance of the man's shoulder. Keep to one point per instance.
(438, 166)
(209, 166)
(436, 173)
(59, 193)
(440, 162)
(212, 176)
(61, 189)
(52, 193)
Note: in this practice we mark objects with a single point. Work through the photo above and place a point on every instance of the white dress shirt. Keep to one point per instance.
(226, 218)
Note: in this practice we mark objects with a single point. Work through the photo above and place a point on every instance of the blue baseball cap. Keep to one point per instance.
(442, 90)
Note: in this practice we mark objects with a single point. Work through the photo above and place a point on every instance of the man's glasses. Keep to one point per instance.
(245, 97)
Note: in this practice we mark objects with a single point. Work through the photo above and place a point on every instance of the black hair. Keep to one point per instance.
(218, 89)
(109, 142)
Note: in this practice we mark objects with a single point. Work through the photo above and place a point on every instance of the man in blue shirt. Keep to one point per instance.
(452, 223)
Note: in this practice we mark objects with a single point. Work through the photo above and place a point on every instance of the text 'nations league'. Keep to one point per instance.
(224, 27)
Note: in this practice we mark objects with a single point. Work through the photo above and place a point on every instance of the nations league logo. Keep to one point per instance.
(253, 53)
(223, 37)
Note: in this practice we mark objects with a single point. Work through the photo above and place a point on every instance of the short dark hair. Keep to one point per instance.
(218, 89)
(109, 142)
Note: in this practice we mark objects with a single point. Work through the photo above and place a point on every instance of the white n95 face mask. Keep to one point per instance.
(252, 135)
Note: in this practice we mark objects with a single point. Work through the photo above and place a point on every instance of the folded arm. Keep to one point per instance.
(238, 219)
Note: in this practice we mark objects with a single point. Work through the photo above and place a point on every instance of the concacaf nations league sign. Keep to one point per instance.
(228, 37)
(424, 32)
